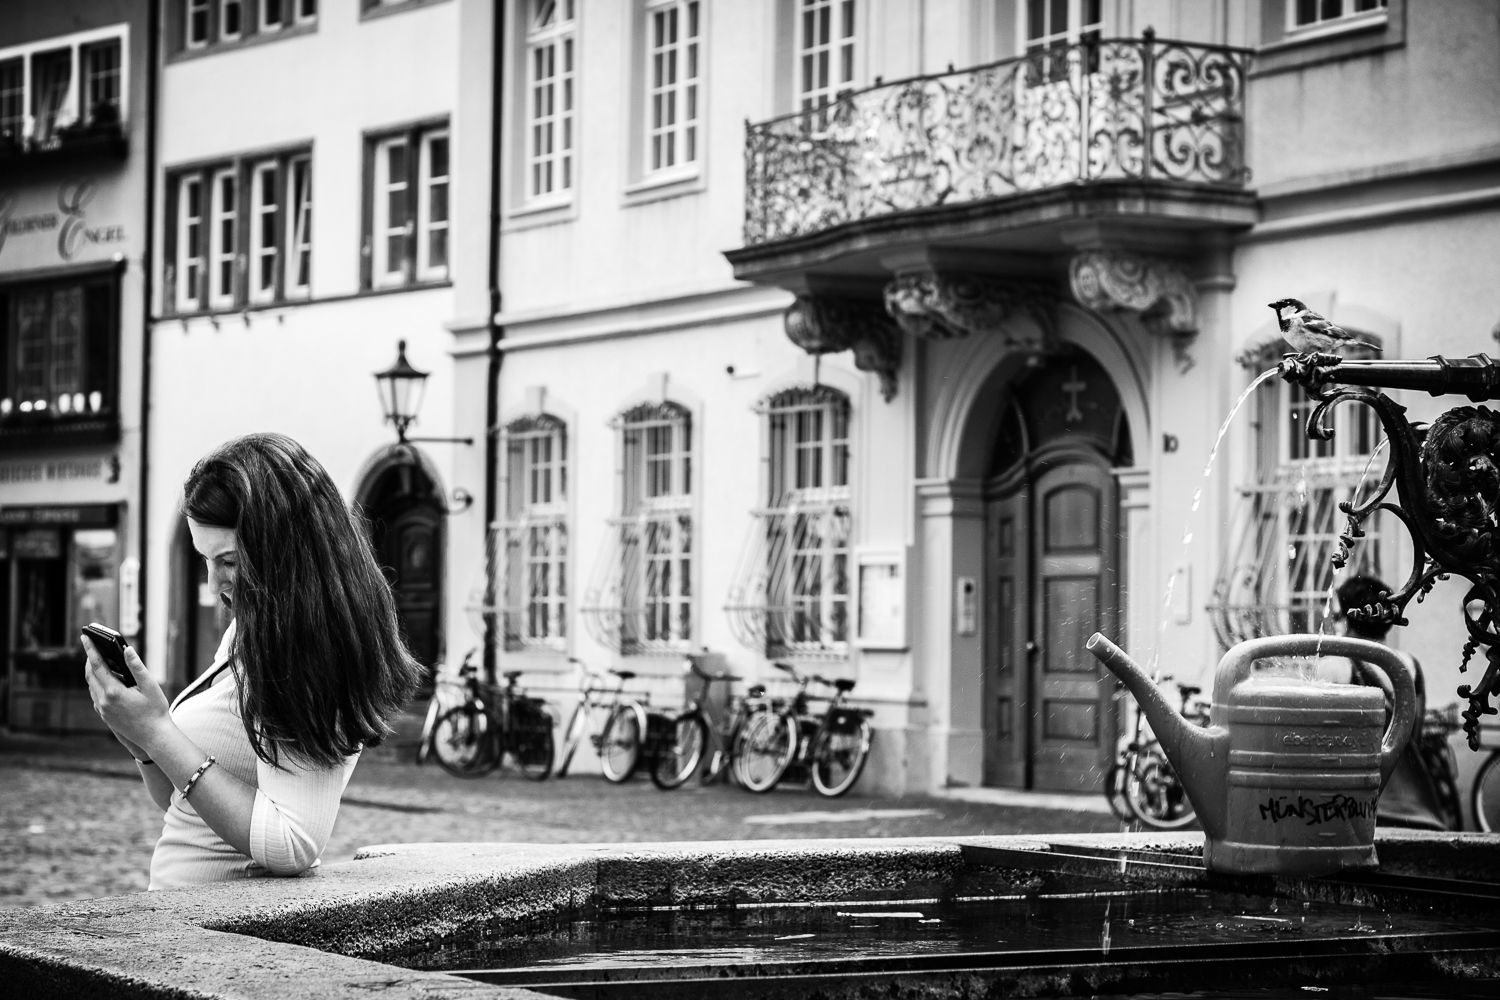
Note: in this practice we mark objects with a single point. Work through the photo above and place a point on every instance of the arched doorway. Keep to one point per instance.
(403, 506)
(198, 620)
(1052, 523)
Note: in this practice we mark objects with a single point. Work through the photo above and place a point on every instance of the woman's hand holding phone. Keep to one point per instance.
(133, 712)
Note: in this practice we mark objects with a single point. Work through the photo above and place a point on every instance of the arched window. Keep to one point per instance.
(791, 592)
(640, 599)
(528, 545)
(1285, 523)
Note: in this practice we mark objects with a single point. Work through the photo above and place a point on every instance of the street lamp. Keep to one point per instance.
(401, 387)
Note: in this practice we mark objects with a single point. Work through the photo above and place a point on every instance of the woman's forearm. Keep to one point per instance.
(223, 801)
(158, 785)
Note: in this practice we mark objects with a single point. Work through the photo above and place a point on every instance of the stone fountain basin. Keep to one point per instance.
(360, 927)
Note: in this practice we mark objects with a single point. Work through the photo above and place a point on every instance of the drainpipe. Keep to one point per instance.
(496, 332)
(148, 286)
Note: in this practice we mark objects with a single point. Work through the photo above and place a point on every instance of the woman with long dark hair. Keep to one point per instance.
(251, 760)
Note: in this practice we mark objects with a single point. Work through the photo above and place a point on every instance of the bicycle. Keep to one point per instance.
(448, 691)
(693, 730)
(829, 749)
(1140, 785)
(471, 740)
(1484, 794)
(619, 739)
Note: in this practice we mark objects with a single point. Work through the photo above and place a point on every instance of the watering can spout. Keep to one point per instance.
(1198, 755)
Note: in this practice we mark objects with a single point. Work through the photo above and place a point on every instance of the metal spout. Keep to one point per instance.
(1199, 756)
(1477, 376)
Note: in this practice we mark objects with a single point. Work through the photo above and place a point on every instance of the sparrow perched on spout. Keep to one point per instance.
(1309, 332)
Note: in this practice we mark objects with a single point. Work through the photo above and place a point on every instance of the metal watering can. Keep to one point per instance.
(1286, 779)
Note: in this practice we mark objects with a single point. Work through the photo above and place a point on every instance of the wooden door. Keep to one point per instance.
(1071, 732)
(412, 547)
(1006, 681)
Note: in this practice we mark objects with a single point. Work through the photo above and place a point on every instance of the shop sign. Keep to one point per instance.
(65, 225)
(37, 543)
(62, 470)
(88, 515)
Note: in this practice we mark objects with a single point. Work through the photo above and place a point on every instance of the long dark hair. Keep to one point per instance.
(317, 646)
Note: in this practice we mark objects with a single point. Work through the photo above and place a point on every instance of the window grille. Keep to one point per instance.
(526, 586)
(791, 591)
(1285, 525)
(640, 599)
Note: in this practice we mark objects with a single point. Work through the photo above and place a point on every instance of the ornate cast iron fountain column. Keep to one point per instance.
(1447, 480)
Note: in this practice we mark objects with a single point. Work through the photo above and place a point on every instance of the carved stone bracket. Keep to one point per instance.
(938, 305)
(1157, 289)
(826, 324)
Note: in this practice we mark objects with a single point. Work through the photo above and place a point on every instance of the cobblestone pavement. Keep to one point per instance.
(75, 822)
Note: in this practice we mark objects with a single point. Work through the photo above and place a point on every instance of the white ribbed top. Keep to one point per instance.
(295, 806)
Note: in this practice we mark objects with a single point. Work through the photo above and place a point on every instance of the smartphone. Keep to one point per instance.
(111, 646)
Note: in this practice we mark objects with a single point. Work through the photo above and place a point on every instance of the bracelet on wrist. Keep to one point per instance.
(187, 789)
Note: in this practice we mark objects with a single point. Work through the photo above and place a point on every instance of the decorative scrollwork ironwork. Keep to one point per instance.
(1117, 109)
(1447, 480)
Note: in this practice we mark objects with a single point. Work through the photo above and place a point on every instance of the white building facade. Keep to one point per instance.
(915, 383)
(304, 222)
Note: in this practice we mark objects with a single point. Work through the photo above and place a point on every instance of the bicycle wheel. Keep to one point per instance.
(683, 752)
(620, 743)
(1155, 796)
(462, 743)
(429, 726)
(572, 736)
(764, 748)
(531, 741)
(839, 752)
(1114, 791)
(1484, 798)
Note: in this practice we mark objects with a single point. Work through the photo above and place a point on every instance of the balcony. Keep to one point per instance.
(1141, 135)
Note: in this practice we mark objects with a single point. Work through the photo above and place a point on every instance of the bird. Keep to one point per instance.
(1310, 332)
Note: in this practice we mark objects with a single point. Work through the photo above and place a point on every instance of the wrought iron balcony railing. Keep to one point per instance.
(1103, 110)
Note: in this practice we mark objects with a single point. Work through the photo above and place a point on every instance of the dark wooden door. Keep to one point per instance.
(1006, 639)
(412, 547)
(1074, 514)
(1048, 718)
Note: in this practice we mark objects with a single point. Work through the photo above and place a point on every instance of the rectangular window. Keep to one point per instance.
(51, 89)
(1053, 29)
(189, 267)
(827, 53)
(298, 281)
(432, 207)
(673, 52)
(550, 42)
(223, 243)
(58, 89)
(211, 24)
(265, 230)
(58, 349)
(409, 208)
(1317, 13)
(231, 20)
(195, 24)
(240, 232)
(101, 82)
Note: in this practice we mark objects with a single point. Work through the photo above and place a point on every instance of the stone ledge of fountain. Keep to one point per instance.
(320, 935)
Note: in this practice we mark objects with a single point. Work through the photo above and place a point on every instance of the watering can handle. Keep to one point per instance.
(1236, 665)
